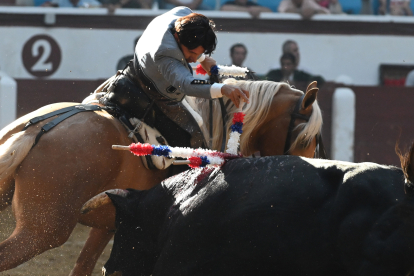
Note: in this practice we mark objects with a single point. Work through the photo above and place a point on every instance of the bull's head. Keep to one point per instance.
(132, 252)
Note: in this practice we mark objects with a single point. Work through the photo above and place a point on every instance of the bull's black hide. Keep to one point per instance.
(278, 215)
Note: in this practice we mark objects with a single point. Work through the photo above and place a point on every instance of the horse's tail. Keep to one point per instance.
(13, 152)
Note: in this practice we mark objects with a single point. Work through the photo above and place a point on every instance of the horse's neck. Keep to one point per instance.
(191, 104)
(202, 108)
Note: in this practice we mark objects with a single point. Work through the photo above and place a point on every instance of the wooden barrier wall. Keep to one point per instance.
(383, 114)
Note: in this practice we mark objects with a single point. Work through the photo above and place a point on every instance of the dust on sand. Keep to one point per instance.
(54, 262)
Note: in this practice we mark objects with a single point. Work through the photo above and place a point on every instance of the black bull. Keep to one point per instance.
(279, 215)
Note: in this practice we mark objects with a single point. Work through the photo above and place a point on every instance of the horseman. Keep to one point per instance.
(155, 82)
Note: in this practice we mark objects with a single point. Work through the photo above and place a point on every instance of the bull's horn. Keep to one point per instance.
(101, 199)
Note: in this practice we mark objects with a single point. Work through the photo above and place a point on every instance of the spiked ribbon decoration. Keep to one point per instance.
(197, 157)
(230, 71)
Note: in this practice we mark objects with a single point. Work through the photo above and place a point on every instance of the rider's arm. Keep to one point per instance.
(181, 78)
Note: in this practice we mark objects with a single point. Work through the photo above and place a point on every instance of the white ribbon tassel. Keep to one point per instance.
(233, 71)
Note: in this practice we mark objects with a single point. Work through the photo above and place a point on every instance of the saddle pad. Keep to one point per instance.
(151, 136)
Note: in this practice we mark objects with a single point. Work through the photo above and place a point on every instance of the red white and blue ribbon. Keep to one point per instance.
(236, 131)
(230, 71)
(197, 157)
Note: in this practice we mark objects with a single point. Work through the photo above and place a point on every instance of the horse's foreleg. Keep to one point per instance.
(44, 219)
(25, 243)
(91, 251)
(6, 192)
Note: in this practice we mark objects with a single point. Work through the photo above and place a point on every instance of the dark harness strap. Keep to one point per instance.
(321, 152)
(67, 112)
(47, 116)
(295, 115)
(223, 116)
(210, 105)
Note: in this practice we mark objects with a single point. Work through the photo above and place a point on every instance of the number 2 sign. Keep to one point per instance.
(41, 56)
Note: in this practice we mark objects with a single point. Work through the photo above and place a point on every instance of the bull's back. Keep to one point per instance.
(285, 213)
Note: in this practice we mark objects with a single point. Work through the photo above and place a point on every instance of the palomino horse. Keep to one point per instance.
(48, 184)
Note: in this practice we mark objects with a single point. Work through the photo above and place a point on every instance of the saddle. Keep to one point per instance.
(132, 106)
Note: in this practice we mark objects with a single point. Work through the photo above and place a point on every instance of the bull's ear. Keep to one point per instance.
(309, 99)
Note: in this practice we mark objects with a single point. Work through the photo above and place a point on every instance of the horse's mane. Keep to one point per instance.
(261, 96)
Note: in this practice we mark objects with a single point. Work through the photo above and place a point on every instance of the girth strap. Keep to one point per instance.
(67, 112)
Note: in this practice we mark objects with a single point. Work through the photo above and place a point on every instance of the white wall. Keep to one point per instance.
(8, 99)
(94, 53)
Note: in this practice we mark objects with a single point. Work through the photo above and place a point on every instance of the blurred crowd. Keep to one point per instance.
(306, 8)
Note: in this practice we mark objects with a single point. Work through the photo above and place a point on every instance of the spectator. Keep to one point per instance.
(72, 3)
(291, 46)
(409, 81)
(112, 5)
(306, 8)
(238, 53)
(396, 7)
(192, 4)
(289, 74)
(333, 6)
(245, 6)
(29, 3)
(366, 7)
(123, 62)
(8, 3)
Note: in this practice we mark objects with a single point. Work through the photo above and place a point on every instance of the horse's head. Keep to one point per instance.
(279, 119)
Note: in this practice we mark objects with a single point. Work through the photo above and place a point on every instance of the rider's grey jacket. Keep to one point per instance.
(163, 62)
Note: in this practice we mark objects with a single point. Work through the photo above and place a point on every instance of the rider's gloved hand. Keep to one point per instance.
(234, 93)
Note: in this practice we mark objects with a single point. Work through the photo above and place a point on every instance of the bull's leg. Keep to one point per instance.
(92, 250)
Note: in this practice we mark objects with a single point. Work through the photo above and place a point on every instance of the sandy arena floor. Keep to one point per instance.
(55, 262)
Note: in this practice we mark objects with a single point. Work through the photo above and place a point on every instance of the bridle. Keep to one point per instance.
(320, 149)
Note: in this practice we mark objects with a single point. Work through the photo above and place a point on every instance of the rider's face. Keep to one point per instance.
(190, 55)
